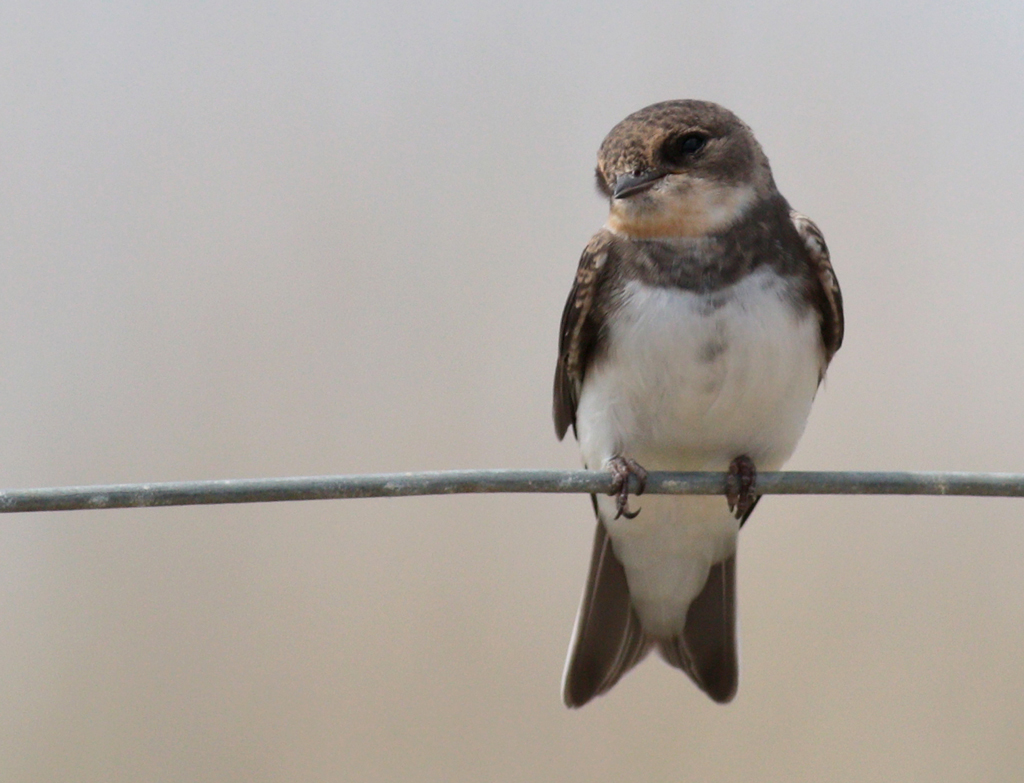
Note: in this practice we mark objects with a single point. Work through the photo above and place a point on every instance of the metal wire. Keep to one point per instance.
(453, 482)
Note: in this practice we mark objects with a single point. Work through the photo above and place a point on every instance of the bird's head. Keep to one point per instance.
(680, 169)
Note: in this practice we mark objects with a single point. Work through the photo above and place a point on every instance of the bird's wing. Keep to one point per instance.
(579, 332)
(830, 299)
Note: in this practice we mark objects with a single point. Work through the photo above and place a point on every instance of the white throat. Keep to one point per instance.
(680, 206)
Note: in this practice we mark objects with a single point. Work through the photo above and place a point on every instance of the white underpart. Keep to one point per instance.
(684, 385)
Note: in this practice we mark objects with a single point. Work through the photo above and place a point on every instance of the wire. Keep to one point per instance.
(454, 482)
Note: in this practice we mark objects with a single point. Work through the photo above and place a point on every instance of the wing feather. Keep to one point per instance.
(831, 300)
(579, 333)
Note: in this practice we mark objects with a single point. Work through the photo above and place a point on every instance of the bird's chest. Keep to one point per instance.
(704, 377)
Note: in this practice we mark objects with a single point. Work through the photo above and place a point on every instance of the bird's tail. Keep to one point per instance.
(608, 639)
(706, 649)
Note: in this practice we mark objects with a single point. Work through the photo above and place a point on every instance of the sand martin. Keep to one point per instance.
(696, 334)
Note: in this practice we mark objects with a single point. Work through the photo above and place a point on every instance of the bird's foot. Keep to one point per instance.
(622, 468)
(739, 491)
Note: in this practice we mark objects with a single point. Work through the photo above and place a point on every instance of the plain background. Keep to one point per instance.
(267, 238)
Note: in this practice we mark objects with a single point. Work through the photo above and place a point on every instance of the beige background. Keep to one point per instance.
(260, 239)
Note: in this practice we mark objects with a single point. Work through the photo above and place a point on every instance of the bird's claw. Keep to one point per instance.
(739, 491)
(622, 468)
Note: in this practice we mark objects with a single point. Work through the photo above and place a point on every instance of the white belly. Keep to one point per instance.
(689, 382)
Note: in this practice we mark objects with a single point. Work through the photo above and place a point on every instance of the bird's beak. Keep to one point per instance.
(630, 184)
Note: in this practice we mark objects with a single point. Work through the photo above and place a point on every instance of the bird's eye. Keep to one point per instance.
(677, 150)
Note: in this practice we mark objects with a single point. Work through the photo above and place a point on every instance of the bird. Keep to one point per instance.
(697, 332)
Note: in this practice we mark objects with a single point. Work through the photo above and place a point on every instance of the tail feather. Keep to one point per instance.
(706, 649)
(608, 640)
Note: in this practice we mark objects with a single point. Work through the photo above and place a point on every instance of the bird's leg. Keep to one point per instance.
(739, 491)
(622, 468)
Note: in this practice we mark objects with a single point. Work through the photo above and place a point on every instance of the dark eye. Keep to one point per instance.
(678, 149)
